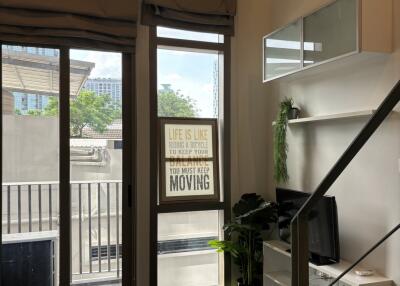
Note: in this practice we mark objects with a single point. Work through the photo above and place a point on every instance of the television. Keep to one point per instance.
(323, 230)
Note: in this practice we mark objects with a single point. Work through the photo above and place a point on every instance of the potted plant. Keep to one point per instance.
(286, 111)
(244, 236)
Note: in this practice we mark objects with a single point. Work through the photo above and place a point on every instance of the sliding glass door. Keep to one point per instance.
(45, 192)
(96, 166)
(30, 165)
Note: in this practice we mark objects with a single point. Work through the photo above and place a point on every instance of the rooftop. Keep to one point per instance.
(29, 73)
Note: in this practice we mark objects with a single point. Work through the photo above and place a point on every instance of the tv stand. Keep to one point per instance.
(317, 260)
(277, 265)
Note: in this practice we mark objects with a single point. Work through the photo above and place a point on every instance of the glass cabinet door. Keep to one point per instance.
(282, 51)
(330, 32)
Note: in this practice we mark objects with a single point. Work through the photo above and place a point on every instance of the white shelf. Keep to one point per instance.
(344, 115)
(277, 269)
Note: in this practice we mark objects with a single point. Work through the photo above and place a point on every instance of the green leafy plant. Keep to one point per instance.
(87, 110)
(280, 144)
(174, 104)
(253, 216)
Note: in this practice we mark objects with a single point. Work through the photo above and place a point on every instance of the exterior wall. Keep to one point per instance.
(38, 160)
(30, 148)
(368, 192)
(8, 102)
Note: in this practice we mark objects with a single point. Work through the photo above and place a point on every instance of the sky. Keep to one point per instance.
(107, 65)
(192, 73)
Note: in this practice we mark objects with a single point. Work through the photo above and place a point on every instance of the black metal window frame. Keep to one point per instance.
(128, 158)
(225, 137)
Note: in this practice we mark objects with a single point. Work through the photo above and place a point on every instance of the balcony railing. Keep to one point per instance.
(96, 221)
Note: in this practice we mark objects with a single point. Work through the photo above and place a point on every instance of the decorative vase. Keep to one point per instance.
(294, 113)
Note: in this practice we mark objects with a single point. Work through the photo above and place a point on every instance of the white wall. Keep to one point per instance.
(368, 192)
(251, 104)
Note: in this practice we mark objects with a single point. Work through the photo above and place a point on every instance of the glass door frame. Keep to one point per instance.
(225, 153)
(129, 123)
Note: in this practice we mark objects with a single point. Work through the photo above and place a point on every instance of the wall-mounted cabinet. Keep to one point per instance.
(342, 28)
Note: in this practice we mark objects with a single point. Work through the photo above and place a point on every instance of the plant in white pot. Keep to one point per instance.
(286, 112)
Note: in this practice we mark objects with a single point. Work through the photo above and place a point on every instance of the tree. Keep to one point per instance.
(173, 104)
(51, 108)
(87, 110)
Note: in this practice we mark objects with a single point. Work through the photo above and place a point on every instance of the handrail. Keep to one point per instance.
(376, 245)
(299, 224)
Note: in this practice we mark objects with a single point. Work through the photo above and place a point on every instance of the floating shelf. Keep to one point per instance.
(354, 114)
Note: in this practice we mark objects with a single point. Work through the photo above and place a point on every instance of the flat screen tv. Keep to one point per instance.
(322, 224)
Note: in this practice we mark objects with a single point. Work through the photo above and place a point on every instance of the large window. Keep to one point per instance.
(188, 82)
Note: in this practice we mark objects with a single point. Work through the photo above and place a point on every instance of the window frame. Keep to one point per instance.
(225, 141)
(129, 165)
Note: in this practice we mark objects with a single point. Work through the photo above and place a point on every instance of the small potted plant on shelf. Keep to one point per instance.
(287, 111)
(253, 216)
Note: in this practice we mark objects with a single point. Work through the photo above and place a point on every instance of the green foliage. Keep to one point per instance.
(173, 104)
(95, 111)
(34, 112)
(51, 108)
(280, 144)
(17, 111)
(87, 109)
(244, 236)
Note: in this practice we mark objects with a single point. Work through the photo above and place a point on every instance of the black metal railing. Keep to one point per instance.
(96, 220)
(299, 224)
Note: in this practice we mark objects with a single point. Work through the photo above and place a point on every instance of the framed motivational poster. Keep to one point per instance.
(189, 170)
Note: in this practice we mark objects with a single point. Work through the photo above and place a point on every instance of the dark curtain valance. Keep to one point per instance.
(83, 23)
(199, 15)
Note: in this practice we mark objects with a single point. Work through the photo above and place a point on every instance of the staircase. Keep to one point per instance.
(299, 226)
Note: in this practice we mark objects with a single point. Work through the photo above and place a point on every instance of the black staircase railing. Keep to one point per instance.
(382, 240)
(299, 224)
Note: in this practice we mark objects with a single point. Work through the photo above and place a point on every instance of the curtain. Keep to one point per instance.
(199, 15)
(77, 23)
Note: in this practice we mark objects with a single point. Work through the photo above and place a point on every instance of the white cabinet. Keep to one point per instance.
(282, 51)
(277, 269)
(342, 28)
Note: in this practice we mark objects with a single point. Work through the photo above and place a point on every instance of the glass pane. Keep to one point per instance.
(282, 51)
(188, 83)
(30, 166)
(184, 256)
(96, 166)
(330, 32)
(189, 35)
